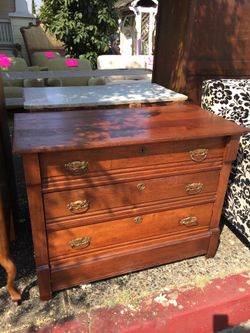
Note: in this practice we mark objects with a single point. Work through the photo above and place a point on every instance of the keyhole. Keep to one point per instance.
(142, 150)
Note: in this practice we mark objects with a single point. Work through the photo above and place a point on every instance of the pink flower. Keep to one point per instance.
(49, 55)
(4, 61)
(71, 62)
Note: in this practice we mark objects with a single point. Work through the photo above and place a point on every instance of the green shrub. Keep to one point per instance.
(83, 25)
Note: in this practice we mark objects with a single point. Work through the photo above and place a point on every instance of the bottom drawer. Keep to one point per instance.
(95, 237)
(145, 255)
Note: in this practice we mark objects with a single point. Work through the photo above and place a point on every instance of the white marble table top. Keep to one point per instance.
(87, 96)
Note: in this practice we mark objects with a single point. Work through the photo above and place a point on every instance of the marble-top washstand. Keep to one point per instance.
(89, 96)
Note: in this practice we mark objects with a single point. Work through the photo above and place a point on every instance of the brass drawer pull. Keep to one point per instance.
(141, 187)
(189, 221)
(77, 167)
(80, 243)
(79, 206)
(198, 155)
(138, 219)
(194, 188)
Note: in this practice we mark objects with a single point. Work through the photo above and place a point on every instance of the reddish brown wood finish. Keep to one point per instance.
(197, 40)
(111, 128)
(151, 188)
(109, 197)
(127, 259)
(109, 234)
(33, 181)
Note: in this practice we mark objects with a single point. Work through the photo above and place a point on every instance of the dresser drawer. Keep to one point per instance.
(95, 161)
(93, 237)
(85, 202)
(191, 152)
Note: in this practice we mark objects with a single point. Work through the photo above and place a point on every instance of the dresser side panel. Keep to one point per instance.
(229, 155)
(39, 235)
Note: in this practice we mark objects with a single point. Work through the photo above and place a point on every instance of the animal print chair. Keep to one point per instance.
(230, 98)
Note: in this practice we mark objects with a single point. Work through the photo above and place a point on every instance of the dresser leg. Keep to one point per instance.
(213, 243)
(10, 269)
(5, 260)
(44, 283)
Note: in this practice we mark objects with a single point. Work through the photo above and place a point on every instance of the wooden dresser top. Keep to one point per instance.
(59, 131)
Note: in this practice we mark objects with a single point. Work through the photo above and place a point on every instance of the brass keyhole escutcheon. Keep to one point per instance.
(138, 219)
(141, 187)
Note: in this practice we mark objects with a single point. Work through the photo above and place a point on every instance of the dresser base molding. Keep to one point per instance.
(117, 263)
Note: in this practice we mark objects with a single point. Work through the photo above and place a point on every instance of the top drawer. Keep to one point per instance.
(84, 163)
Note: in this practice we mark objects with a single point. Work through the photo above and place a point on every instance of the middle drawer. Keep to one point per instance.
(90, 200)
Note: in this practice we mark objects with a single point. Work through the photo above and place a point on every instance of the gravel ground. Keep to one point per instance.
(232, 257)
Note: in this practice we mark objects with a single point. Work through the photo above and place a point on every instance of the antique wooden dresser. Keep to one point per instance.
(114, 191)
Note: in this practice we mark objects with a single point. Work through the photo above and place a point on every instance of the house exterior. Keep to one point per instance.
(14, 14)
(137, 25)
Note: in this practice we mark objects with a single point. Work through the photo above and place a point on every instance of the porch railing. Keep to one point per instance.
(6, 36)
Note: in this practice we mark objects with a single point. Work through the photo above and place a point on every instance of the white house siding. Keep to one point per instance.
(17, 23)
(6, 6)
(19, 14)
(21, 17)
(6, 40)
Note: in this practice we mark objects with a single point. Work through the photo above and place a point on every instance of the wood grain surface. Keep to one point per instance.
(118, 127)
(199, 40)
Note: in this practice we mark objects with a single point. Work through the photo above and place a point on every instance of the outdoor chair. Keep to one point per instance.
(14, 88)
(42, 58)
(38, 39)
(230, 98)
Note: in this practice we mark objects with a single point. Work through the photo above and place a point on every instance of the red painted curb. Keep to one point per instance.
(221, 304)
